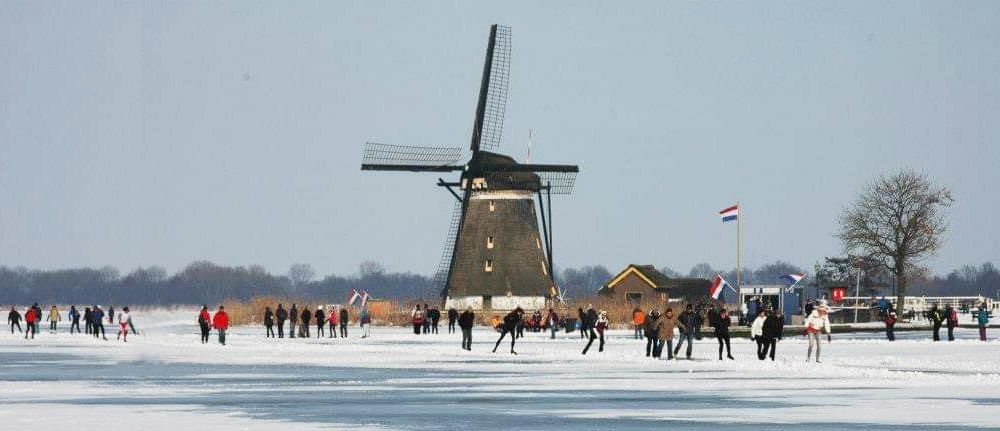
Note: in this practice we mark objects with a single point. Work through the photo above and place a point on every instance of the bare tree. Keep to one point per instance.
(897, 221)
(300, 274)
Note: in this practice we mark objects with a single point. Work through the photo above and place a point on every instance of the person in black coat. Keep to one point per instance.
(269, 322)
(293, 318)
(305, 317)
(589, 322)
(320, 321)
(510, 322)
(87, 322)
(14, 319)
(465, 321)
(281, 315)
(435, 316)
(651, 334)
(452, 317)
(719, 320)
(774, 324)
(936, 318)
(343, 322)
(583, 322)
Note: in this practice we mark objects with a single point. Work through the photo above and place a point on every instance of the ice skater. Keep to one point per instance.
(343, 322)
(365, 319)
(936, 318)
(650, 324)
(204, 320)
(509, 325)
(268, 323)
(332, 321)
(14, 319)
(30, 320)
(281, 315)
(817, 322)
(757, 333)
(774, 325)
(304, 321)
(293, 318)
(664, 331)
(417, 319)
(97, 315)
(465, 322)
(74, 317)
(719, 321)
(602, 324)
(88, 321)
(686, 321)
(54, 318)
(320, 321)
(983, 319)
(123, 318)
(890, 326)
(452, 318)
(951, 319)
(221, 323)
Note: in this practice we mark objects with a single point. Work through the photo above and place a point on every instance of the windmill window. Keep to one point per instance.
(489, 242)
(493, 206)
(489, 265)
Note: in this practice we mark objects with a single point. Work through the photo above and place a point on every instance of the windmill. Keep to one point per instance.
(494, 255)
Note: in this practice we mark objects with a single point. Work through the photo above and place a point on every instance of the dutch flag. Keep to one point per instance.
(730, 214)
(715, 290)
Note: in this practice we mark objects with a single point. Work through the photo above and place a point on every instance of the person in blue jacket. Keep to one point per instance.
(97, 317)
(983, 319)
(74, 317)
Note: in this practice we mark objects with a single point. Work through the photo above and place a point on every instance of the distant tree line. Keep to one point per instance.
(208, 283)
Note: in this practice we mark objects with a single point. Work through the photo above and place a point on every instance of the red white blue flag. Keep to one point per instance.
(715, 290)
(730, 214)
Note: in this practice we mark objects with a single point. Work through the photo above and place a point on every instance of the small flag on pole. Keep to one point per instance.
(793, 279)
(715, 290)
(354, 297)
(730, 214)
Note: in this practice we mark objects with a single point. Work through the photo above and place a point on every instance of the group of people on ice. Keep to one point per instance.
(93, 318)
(328, 324)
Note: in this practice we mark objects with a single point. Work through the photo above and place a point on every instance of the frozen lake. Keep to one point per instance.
(166, 379)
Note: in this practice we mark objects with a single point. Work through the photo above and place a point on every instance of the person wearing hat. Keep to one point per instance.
(817, 322)
(890, 326)
(602, 324)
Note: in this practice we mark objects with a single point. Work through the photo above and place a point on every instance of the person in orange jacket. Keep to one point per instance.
(221, 323)
(638, 319)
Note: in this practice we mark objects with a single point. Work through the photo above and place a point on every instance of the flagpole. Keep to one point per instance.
(739, 255)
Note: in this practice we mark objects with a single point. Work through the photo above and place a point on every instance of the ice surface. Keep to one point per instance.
(165, 379)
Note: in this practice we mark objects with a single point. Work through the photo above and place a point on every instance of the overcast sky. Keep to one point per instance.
(148, 133)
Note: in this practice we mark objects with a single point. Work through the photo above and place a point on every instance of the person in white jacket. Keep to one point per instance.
(817, 322)
(757, 331)
(123, 320)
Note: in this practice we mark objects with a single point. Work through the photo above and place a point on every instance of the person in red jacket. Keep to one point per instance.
(31, 318)
(221, 323)
(204, 323)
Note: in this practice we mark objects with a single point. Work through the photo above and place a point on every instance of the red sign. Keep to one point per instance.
(838, 293)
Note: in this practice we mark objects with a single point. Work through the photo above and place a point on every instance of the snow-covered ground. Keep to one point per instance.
(166, 380)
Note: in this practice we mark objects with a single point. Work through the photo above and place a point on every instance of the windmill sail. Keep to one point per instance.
(386, 157)
(487, 130)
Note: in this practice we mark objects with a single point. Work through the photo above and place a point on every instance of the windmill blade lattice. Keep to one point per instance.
(387, 154)
(496, 95)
